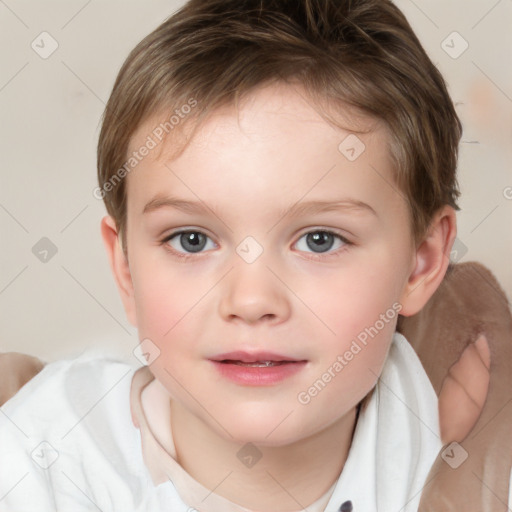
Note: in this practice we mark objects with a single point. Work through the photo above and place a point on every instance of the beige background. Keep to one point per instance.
(50, 111)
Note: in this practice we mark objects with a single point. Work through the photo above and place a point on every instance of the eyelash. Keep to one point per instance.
(319, 256)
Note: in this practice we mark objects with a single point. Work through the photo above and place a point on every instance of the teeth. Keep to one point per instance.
(259, 364)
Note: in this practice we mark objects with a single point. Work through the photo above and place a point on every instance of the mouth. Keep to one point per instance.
(256, 364)
(258, 368)
(258, 359)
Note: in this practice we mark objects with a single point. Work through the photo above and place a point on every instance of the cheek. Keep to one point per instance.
(347, 375)
(164, 296)
(171, 306)
(170, 313)
(361, 311)
(156, 313)
(353, 301)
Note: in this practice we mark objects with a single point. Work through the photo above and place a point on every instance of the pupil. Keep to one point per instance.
(192, 241)
(318, 239)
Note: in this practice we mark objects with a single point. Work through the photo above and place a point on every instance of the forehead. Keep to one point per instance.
(276, 136)
(287, 103)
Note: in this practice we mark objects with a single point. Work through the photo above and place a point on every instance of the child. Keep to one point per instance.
(239, 138)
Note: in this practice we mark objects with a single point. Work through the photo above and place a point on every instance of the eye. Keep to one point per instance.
(191, 241)
(321, 241)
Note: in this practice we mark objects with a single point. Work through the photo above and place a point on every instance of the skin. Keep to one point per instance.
(251, 165)
(464, 391)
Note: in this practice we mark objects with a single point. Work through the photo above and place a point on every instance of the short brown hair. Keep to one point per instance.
(356, 53)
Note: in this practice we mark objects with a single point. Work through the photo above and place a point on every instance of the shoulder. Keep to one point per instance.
(68, 430)
(66, 387)
(404, 388)
(408, 422)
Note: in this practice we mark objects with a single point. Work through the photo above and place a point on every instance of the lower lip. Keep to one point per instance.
(258, 375)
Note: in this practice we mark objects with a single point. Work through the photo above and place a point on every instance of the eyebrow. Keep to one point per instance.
(298, 209)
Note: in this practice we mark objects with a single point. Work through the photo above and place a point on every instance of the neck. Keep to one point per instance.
(285, 478)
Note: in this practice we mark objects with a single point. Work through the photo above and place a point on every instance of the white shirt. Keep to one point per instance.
(68, 442)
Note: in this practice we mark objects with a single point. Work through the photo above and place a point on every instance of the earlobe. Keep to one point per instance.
(432, 260)
(119, 266)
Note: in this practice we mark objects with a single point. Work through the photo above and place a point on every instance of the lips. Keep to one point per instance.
(257, 368)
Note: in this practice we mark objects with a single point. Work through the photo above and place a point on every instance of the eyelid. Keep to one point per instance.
(333, 231)
(181, 230)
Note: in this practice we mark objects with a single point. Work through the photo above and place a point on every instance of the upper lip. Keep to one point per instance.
(253, 357)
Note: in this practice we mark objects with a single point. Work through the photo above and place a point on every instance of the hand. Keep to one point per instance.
(474, 384)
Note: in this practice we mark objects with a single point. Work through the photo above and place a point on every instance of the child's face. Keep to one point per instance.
(290, 300)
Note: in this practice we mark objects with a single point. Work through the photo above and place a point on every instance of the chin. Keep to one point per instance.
(269, 430)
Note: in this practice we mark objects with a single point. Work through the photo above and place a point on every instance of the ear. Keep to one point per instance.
(119, 266)
(431, 262)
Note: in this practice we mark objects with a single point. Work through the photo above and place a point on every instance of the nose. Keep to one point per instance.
(253, 293)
